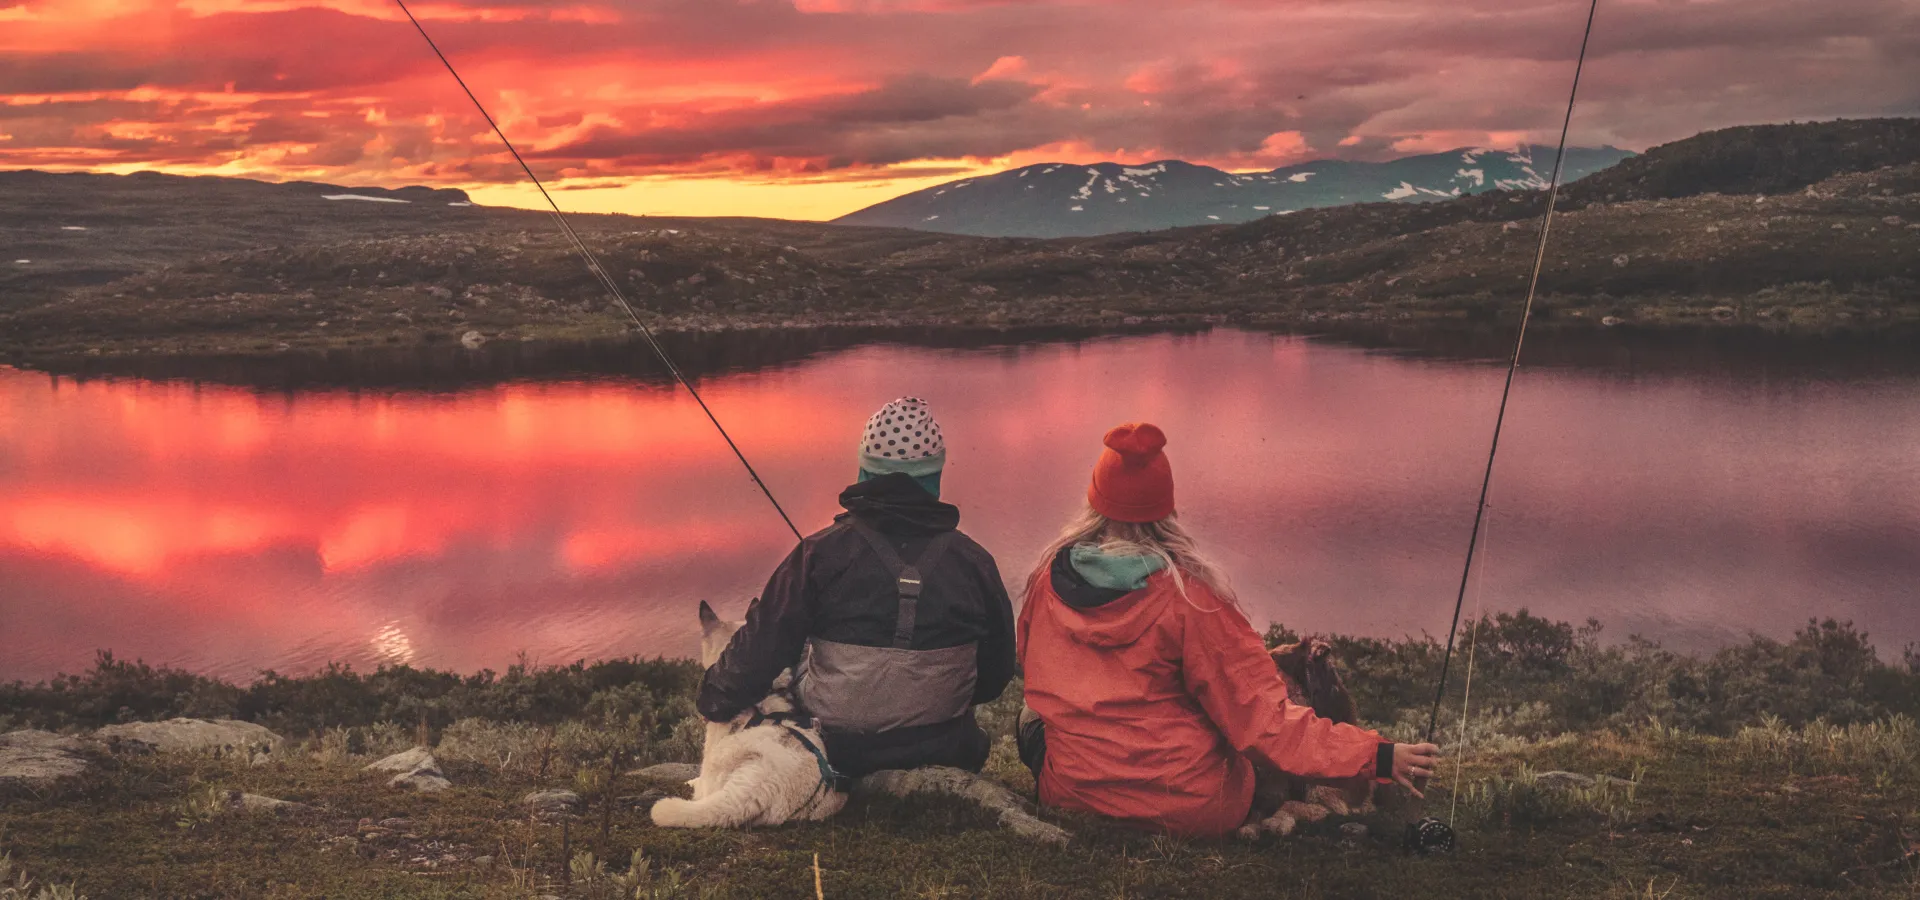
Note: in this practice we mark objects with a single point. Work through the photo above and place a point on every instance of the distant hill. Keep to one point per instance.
(65, 229)
(1804, 228)
(1065, 200)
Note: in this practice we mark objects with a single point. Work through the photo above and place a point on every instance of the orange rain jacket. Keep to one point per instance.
(1157, 706)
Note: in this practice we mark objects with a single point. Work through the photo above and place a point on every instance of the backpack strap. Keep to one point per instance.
(907, 578)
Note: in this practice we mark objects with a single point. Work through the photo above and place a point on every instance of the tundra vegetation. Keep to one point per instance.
(1590, 769)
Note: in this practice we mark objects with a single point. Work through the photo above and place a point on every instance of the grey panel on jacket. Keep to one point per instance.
(869, 689)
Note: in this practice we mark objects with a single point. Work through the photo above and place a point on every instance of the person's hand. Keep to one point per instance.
(1411, 761)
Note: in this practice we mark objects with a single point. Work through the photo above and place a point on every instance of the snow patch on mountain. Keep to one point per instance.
(1402, 192)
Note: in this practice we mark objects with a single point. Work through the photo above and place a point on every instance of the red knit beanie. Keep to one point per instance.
(1132, 482)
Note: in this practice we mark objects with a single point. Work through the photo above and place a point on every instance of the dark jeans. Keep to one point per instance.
(959, 743)
(1030, 737)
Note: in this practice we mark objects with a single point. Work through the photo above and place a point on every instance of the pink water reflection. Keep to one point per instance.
(230, 531)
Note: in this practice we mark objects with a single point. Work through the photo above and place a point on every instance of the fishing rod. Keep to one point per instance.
(1429, 834)
(1513, 363)
(600, 273)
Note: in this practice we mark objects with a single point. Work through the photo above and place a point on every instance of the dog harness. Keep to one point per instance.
(799, 727)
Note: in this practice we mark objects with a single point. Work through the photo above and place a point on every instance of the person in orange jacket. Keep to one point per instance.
(1150, 697)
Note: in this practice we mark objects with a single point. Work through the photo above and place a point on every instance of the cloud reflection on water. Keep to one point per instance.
(230, 531)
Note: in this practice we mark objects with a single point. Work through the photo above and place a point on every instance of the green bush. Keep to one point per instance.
(1544, 676)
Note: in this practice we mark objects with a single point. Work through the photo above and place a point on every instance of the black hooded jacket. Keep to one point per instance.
(834, 587)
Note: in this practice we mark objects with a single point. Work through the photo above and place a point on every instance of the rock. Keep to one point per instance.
(553, 803)
(1573, 780)
(1353, 830)
(669, 772)
(1014, 813)
(473, 340)
(425, 779)
(1563, 780)
(39, 757)
(418, 770)
(1620, 262)
(256, 803)
(643, 802)
(193, 735)
(1611, 321)
(404, 761)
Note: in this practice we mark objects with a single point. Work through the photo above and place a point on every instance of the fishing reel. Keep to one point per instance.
(1429, 836)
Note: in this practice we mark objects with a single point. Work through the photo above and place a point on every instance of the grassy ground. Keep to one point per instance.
(1767, 769)
(1708, 817)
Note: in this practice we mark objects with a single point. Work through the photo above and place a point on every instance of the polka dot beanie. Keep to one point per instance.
(903, 437)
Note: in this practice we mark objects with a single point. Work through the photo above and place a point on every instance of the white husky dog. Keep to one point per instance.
(765, 767)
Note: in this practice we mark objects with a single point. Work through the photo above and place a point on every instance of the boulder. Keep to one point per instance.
(193, 735)
(425, 779)
(404, 761)
(678, 772)
(1567, 781)
(418, 770)
(553, 803)
(39, 757)
(1015, 816)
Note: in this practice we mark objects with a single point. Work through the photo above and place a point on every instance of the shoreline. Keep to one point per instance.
(708, 350)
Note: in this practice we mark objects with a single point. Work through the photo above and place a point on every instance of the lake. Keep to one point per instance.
(464, 522)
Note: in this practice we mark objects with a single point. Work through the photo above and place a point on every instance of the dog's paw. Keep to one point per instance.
(1305, 812)
(1334, 799)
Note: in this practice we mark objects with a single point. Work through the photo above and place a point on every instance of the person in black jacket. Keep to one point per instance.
(896, 625)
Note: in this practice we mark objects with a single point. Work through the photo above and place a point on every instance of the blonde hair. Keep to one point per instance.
(1166, 540)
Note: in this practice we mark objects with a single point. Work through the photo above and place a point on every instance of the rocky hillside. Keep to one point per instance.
(1065, 200)
(1824, 236)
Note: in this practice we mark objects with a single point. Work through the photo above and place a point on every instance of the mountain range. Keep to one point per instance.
(1069, 200)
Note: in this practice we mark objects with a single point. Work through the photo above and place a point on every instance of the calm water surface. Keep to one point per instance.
(228, 530)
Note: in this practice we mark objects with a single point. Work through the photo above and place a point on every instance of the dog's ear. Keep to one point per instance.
(708, 618)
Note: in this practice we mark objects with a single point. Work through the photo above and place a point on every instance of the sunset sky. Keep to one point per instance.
(815, 108)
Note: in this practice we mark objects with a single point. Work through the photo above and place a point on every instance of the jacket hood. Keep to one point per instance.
(1104, 617)
(895, 504)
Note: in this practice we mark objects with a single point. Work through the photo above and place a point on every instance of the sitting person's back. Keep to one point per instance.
(1156, 702)
(895, 623)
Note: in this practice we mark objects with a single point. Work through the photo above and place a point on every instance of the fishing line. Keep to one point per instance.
(1473, 647)
(1513, 363)
(600, 273)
